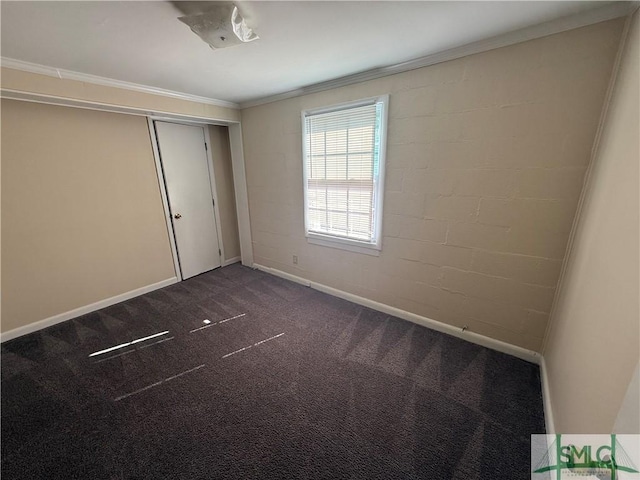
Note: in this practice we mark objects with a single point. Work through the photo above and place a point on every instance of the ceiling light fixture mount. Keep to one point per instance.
(221, 26)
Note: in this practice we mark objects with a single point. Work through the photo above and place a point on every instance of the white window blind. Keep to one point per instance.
(343, 171)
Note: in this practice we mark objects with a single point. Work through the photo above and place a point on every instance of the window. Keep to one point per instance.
(344, 151)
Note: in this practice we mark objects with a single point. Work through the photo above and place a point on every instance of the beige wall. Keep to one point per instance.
(45, 85)
(223, 173)
(485, 163)
(593, 348)
(82, 218)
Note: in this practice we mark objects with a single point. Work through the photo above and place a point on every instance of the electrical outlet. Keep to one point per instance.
(295, 259)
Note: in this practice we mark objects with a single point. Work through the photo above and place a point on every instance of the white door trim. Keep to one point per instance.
(242, 196)
(214, 192)
(163, 195)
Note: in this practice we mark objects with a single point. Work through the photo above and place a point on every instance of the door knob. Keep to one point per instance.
(177, 215)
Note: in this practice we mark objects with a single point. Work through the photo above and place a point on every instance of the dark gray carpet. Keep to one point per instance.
(299, 385)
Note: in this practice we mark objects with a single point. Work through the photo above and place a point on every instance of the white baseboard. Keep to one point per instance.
(285, 275)
(61, 317)
(231, 261)
(519, 352)
(546, 398)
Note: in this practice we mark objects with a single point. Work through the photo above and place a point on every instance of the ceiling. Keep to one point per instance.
(301, 42)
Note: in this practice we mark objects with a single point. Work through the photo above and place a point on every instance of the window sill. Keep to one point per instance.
(343, 244)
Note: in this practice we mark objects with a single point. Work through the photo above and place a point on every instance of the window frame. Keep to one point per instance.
(345, 243)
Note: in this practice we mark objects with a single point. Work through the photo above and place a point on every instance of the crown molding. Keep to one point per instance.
(18, 95)
(582, 19)
(613, 10)
(109, 82)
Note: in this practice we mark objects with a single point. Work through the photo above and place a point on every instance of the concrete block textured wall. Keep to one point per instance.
(486, 158)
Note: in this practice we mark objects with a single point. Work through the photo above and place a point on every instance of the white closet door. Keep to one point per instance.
(186, 173)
